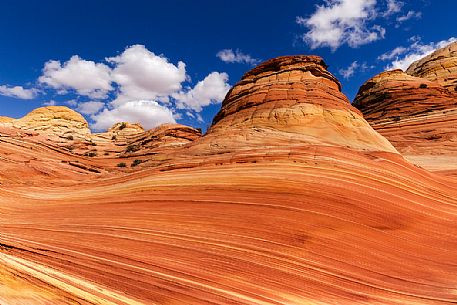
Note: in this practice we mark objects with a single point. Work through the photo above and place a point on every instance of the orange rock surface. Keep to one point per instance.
(291, 100)
(290, 198)
(418, 115)
(5, 119)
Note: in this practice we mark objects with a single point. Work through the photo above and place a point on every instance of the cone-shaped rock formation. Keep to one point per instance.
(293, 100)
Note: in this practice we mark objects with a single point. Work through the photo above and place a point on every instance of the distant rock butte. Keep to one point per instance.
(54, 120)
(440, 66)
(418, 115)
(126, 128)
(293, 100)
(67, 132)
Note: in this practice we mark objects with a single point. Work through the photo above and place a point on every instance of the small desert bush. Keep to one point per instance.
(91, 154)
(136, 162)
(122, 164)
(423, 86)
(122, 126)
(131, 148)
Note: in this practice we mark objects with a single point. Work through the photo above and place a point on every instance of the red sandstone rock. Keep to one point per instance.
(295, 201)
(418, 116)
(292, 100)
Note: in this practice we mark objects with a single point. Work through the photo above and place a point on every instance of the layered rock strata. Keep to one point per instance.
(417, 114)
(292, 100)
(440, 67)
(290, 198)
(54, 121)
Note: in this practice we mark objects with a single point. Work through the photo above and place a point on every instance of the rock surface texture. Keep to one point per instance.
(440, 67)
(290, 198)
(417, 110)
(55, 121)
(295, 100)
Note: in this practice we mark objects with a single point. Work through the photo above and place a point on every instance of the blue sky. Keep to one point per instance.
(159, 61)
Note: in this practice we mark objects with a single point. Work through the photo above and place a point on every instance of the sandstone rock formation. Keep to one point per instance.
(65, 134)
(418, 115)
(290, 198)
(292, 100)
(125, 129)
(440, 67)
(166, 136)
(55, 121)
(5, 119)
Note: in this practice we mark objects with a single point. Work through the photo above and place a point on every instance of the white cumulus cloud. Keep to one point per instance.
(50, 103)
(212, 89)
(143, 75)
(393, 7)
(355, 66)
(339, 22)
(405, 56)
(230, 56)
(149, 114)
(86, 77)
(135, 86)
(91, 107)
(393, 53)
(409, 15)
(18, 92)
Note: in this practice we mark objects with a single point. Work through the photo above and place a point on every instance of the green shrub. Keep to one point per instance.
(123, 125)
(91, 154)
(70, 137)
(136, 162)
(423, 86)
(122, 164)
(131, 148)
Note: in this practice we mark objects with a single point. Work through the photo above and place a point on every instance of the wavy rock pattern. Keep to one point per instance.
(281, 202)
(418, 115)
(290, 100)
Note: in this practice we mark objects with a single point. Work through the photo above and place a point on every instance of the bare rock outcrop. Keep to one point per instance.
(5, 119)
(293, 100)
(417, 114)
(55, 121)
(125, 129)
(290, 198)
(440, 66)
